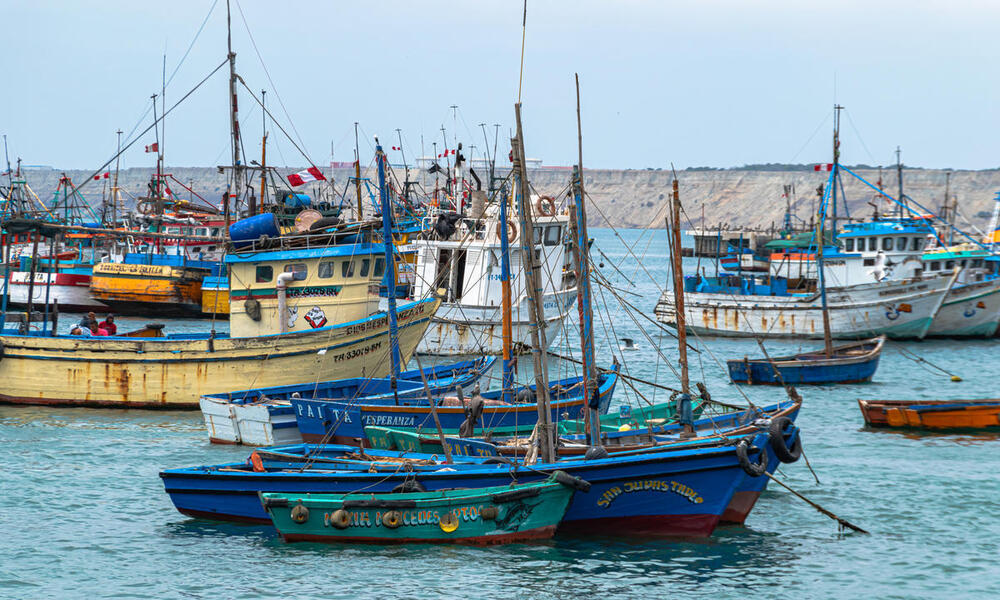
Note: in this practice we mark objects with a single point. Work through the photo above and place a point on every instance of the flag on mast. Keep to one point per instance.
(310, 174)
(826, 167)
(154, 147)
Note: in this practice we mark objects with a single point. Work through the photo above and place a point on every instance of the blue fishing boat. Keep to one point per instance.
(671, 492)
(343, 421)
(266, 416)
(849, 363)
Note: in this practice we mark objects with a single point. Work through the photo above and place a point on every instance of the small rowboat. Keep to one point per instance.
(491, 515)
(932, 414)
(851, 363)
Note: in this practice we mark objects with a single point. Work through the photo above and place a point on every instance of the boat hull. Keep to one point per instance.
(897, 309)
(932, 414)
(138, 289)
(664, 493)
(525, 512)
(969, 310)
(70, 290)
(810, 369)
(171, 373)
(458, 329)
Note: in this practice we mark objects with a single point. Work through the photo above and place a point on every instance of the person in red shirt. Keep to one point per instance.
(108, 324)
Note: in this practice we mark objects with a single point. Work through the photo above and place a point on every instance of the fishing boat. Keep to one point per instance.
(296, 316)
(848, 363)
(972, 306)
(404, 440)
(215, 295)
(743, 259)
(265, 416)
(344, 420)
(932, 414)
(462, 255)
(493, 515)
(628, 418)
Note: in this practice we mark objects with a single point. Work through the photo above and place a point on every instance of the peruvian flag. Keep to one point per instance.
(154, 147)
(98, 177)
(826, 167)
(310, 174)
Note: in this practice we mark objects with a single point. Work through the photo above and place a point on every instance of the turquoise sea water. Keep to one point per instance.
(83, 513)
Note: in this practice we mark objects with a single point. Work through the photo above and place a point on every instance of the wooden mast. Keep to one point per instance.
(533, 287)
(357, 174)
(821, 271)
(263, 158)
(234, 123)
(578, 223)
(678, 273)
(390, 266)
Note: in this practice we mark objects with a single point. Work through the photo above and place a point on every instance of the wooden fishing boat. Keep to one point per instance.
(932, 414)
(266, 417)
(215, 295)
(492, 515)
(296, 317)
(628, 418)
(157, 284)
(402, 440)
(848, 363)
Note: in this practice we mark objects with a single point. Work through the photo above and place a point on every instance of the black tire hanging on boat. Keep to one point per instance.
(408, 487)
(572, 482)
(595, 452)
(340, 518)
(496, 460)
(779, 444)
(753, 469)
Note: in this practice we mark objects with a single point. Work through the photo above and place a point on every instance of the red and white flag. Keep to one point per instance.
(826, 167)
(310, 174)
(105, 176)
(154, 147)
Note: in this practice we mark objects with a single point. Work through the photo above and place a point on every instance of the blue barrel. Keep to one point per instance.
(297, 200)
(251, 228)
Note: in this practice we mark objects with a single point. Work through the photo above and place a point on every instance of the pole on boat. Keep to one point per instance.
(234, 123)
(899, 181)
(357, 174)
(507, 362)
(390, 266)
(675, 230)
(583, 297)
(821, 270)
(533, 287)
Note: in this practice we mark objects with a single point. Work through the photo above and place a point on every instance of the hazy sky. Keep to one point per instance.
(717, 83)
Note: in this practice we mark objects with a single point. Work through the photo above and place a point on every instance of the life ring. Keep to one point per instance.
(257, 462)
(781, 430)
(144, 207)
(392, 519)
(300, 514)
(546, 206)
(340, 518)
(511, 231)
(750, 468)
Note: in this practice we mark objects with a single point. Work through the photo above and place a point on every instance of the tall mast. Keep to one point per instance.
(507, 364)
(114, 192)
(357, 173)
(533, 287)
(263, 156)
(678, 273)
(952, 216)
(899, 180)
(234, 123)
(390, 264)
(583, 296)
(827, 338)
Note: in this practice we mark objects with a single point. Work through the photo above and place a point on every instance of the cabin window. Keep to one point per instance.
(949, 264)
(849, 244)
(539, 234)
(173, 229)
(935, 266)
(869, 262)
(379, 267)
(872, 244)
(963, 263)
(366, 263)
(552, 235)
(265, 273)
(215, 232)
(887, 243)
(325, 269)
(297, 268)
(211, 249)
(901, 244)
(201, 231)
(916, 244)
(347, 269)
(977, 263)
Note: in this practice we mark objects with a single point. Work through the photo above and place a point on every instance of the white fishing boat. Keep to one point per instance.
(462, 256)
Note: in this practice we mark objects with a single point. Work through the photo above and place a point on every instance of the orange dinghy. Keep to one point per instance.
(932, 414)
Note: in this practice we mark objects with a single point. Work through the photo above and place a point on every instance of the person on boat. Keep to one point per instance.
(90, 322)
(108, 324)
(80, 330)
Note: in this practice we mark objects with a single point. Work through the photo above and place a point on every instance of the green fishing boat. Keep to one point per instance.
(492, 515)
(655, 415)
(406, 440)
